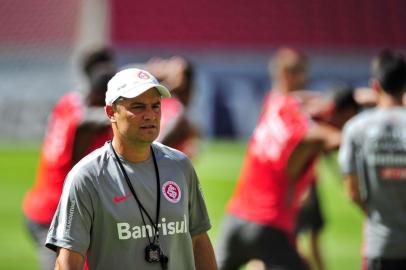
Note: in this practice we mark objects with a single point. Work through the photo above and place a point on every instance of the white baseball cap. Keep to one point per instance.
(132, 82)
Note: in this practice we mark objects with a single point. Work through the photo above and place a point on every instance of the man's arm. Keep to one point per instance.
(352, 191)
(93, 120)
(180, 132)
(203, 252)
(68, 260)
(320, 137)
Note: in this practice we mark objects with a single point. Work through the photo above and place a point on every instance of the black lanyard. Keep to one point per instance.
(140, 206)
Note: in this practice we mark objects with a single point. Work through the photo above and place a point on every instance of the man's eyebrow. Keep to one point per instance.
(143, 103)
(136, 103)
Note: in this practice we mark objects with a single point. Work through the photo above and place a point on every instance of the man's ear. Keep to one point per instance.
(375, 85)
(110, 113)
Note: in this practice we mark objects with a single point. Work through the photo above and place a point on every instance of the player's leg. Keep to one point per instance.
(310, 223)
(316, 227)
(316, 250)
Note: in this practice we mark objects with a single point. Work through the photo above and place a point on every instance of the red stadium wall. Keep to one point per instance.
(38, 21)
(261, 23)
(224, 23)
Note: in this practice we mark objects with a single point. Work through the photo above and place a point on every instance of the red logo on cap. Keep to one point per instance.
(143, 75)
(171, 191)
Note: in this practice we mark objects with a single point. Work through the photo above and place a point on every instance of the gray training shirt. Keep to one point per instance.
(98, 216)
(374, 148)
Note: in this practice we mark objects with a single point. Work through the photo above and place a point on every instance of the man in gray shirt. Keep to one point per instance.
(133, 203)
(373, 159)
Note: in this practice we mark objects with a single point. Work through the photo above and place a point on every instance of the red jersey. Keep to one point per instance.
(41, 201)
(263, 194)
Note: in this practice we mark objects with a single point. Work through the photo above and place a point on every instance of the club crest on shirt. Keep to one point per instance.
(171, 191)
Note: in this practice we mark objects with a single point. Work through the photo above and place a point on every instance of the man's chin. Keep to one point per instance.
(149, 139)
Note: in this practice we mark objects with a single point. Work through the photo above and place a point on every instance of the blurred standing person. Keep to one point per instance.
(76, 126)
(133, 203)
(372, 158)
(277, 169)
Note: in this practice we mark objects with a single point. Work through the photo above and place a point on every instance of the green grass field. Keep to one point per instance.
(218, 167)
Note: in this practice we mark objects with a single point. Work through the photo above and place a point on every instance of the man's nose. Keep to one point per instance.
(150, 113)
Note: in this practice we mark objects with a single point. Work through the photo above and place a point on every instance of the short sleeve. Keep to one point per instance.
(347, 151)
(71, 224)
(199, 221)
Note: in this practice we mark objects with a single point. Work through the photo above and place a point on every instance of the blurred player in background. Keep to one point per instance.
(372, 158)
(277, 170)
(177, 130)
(77, 125)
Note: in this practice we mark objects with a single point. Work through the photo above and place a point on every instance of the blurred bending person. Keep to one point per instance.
(177, 130)
(372, 158)
(76, 126)
(277, 170)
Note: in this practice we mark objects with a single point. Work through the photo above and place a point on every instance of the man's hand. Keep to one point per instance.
(170, 71)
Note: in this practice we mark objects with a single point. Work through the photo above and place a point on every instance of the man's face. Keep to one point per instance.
(138, 119)
(297, 76)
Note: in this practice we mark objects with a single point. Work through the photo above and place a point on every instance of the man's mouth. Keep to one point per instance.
(148, 126)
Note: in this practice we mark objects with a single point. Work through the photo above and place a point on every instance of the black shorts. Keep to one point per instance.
(241, 241)
(384, 264)
(310, 217)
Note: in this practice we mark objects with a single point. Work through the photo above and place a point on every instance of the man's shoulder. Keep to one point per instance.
(361, 120)
(72, 98)
(69, 106)
(169, 153)
(91, 164)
